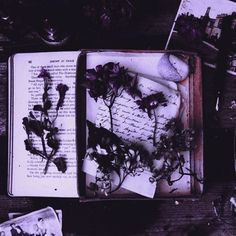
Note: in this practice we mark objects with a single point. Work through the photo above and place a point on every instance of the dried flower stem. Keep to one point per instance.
(111, 119)
(46, 166)
(109, 106)
(54, 119)
(121, 181)
(155, 128)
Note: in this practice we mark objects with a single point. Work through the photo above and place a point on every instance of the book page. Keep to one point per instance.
(27, 174)
(134, 125)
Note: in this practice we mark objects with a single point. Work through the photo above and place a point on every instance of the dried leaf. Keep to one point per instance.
(62, 89)
(47, 105)
(60, 163)
(36, 127)
(53, 143)
(38, 108)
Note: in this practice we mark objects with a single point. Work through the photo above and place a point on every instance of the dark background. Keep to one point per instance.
(148, 29)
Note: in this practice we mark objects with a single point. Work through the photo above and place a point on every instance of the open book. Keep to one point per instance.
(166, 75)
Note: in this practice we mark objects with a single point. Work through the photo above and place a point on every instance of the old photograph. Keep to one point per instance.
(198, 27)
(43, 222)
(13, 215)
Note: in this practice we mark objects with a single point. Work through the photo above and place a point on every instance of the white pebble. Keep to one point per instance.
(172, 68)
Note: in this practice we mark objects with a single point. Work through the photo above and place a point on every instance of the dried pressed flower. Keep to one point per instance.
(102, 137)
(169, 149)
(151, 102)
(44, 74)
(61, 88)
(108, 82)
(44, 128)
(105, 81)
(112, 157)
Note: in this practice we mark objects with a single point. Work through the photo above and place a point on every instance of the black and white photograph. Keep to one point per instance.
(208, 28)
(43, 222)
(13, 215)
(231, 60)
(198, 27)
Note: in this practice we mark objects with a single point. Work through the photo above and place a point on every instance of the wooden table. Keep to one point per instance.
(172, 217)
